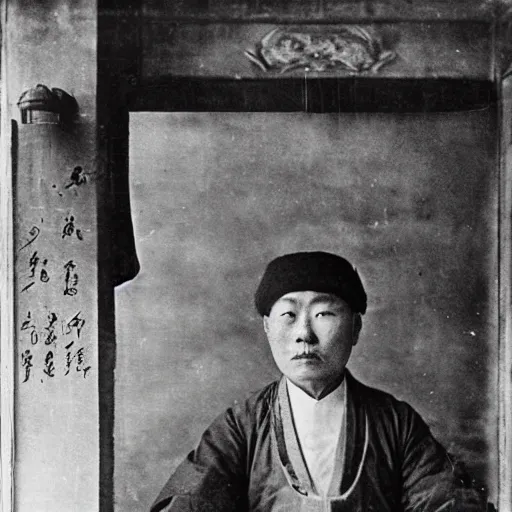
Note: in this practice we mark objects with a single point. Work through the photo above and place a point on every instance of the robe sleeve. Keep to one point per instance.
(431, 480)
(213, 476)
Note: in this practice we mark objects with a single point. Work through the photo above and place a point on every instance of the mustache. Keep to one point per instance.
(306, 355)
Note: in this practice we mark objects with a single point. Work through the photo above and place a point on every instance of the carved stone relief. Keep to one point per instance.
(349, 48)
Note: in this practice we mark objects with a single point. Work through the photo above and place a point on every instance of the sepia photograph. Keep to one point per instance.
(256, 256)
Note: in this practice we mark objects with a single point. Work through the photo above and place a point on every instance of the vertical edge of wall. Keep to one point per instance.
(118, 72)
(106, 334)
(6, 292)
(106, 305)
(504, 433)
(505, 319)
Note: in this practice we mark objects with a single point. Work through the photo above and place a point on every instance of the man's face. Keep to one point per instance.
(311, 335)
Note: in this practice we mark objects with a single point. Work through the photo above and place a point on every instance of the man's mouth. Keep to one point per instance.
(309, 355)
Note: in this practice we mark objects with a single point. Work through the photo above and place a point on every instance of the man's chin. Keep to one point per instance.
(306, 371)
(311, 373)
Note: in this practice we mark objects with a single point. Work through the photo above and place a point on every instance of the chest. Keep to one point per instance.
(368, 479)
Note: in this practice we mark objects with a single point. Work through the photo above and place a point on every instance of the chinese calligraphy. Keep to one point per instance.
(50, 329)
(28, 324)
(34, 233)
(36, 271)
(26, 362)
(71, 279)
(73, 356)
(49, 367)
(76, 323)
(52, 338)
(78, 358)
(77, 178)
(69, 228)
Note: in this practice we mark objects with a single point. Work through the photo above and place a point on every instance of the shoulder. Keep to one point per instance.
(383, 406)
(248, 413)
(262, 396)
(374, 396)
(256, 406)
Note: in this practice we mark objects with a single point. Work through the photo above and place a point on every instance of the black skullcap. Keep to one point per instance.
(315, 271)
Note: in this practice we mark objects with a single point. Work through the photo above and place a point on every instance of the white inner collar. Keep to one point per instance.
(318, 425)
(334, 398)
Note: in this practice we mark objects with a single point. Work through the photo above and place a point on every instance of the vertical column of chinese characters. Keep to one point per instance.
(75, 357)
(36, 275)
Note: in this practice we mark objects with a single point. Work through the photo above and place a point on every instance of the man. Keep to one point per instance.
(317, 440)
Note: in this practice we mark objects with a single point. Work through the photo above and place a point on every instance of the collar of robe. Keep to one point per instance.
(351, 450)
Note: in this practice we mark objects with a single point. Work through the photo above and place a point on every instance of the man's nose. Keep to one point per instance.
(304, 332)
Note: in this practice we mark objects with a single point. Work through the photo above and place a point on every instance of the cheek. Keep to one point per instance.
(337, 354)
(278, 331)
(337, 339)
(280, 346)
(280, 353)
(333, 331)
(276, 338)
(272, 342)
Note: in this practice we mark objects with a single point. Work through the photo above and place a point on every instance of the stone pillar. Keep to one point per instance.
(50, 366)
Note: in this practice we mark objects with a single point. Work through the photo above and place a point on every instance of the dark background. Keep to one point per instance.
(410, 199)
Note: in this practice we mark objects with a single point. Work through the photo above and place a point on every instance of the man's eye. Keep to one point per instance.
(288, 314)
(325, 313)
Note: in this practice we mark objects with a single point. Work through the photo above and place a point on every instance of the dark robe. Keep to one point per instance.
(246, 461)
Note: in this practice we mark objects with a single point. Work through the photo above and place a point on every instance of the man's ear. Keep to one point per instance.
(357, 325)
(265, 324)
